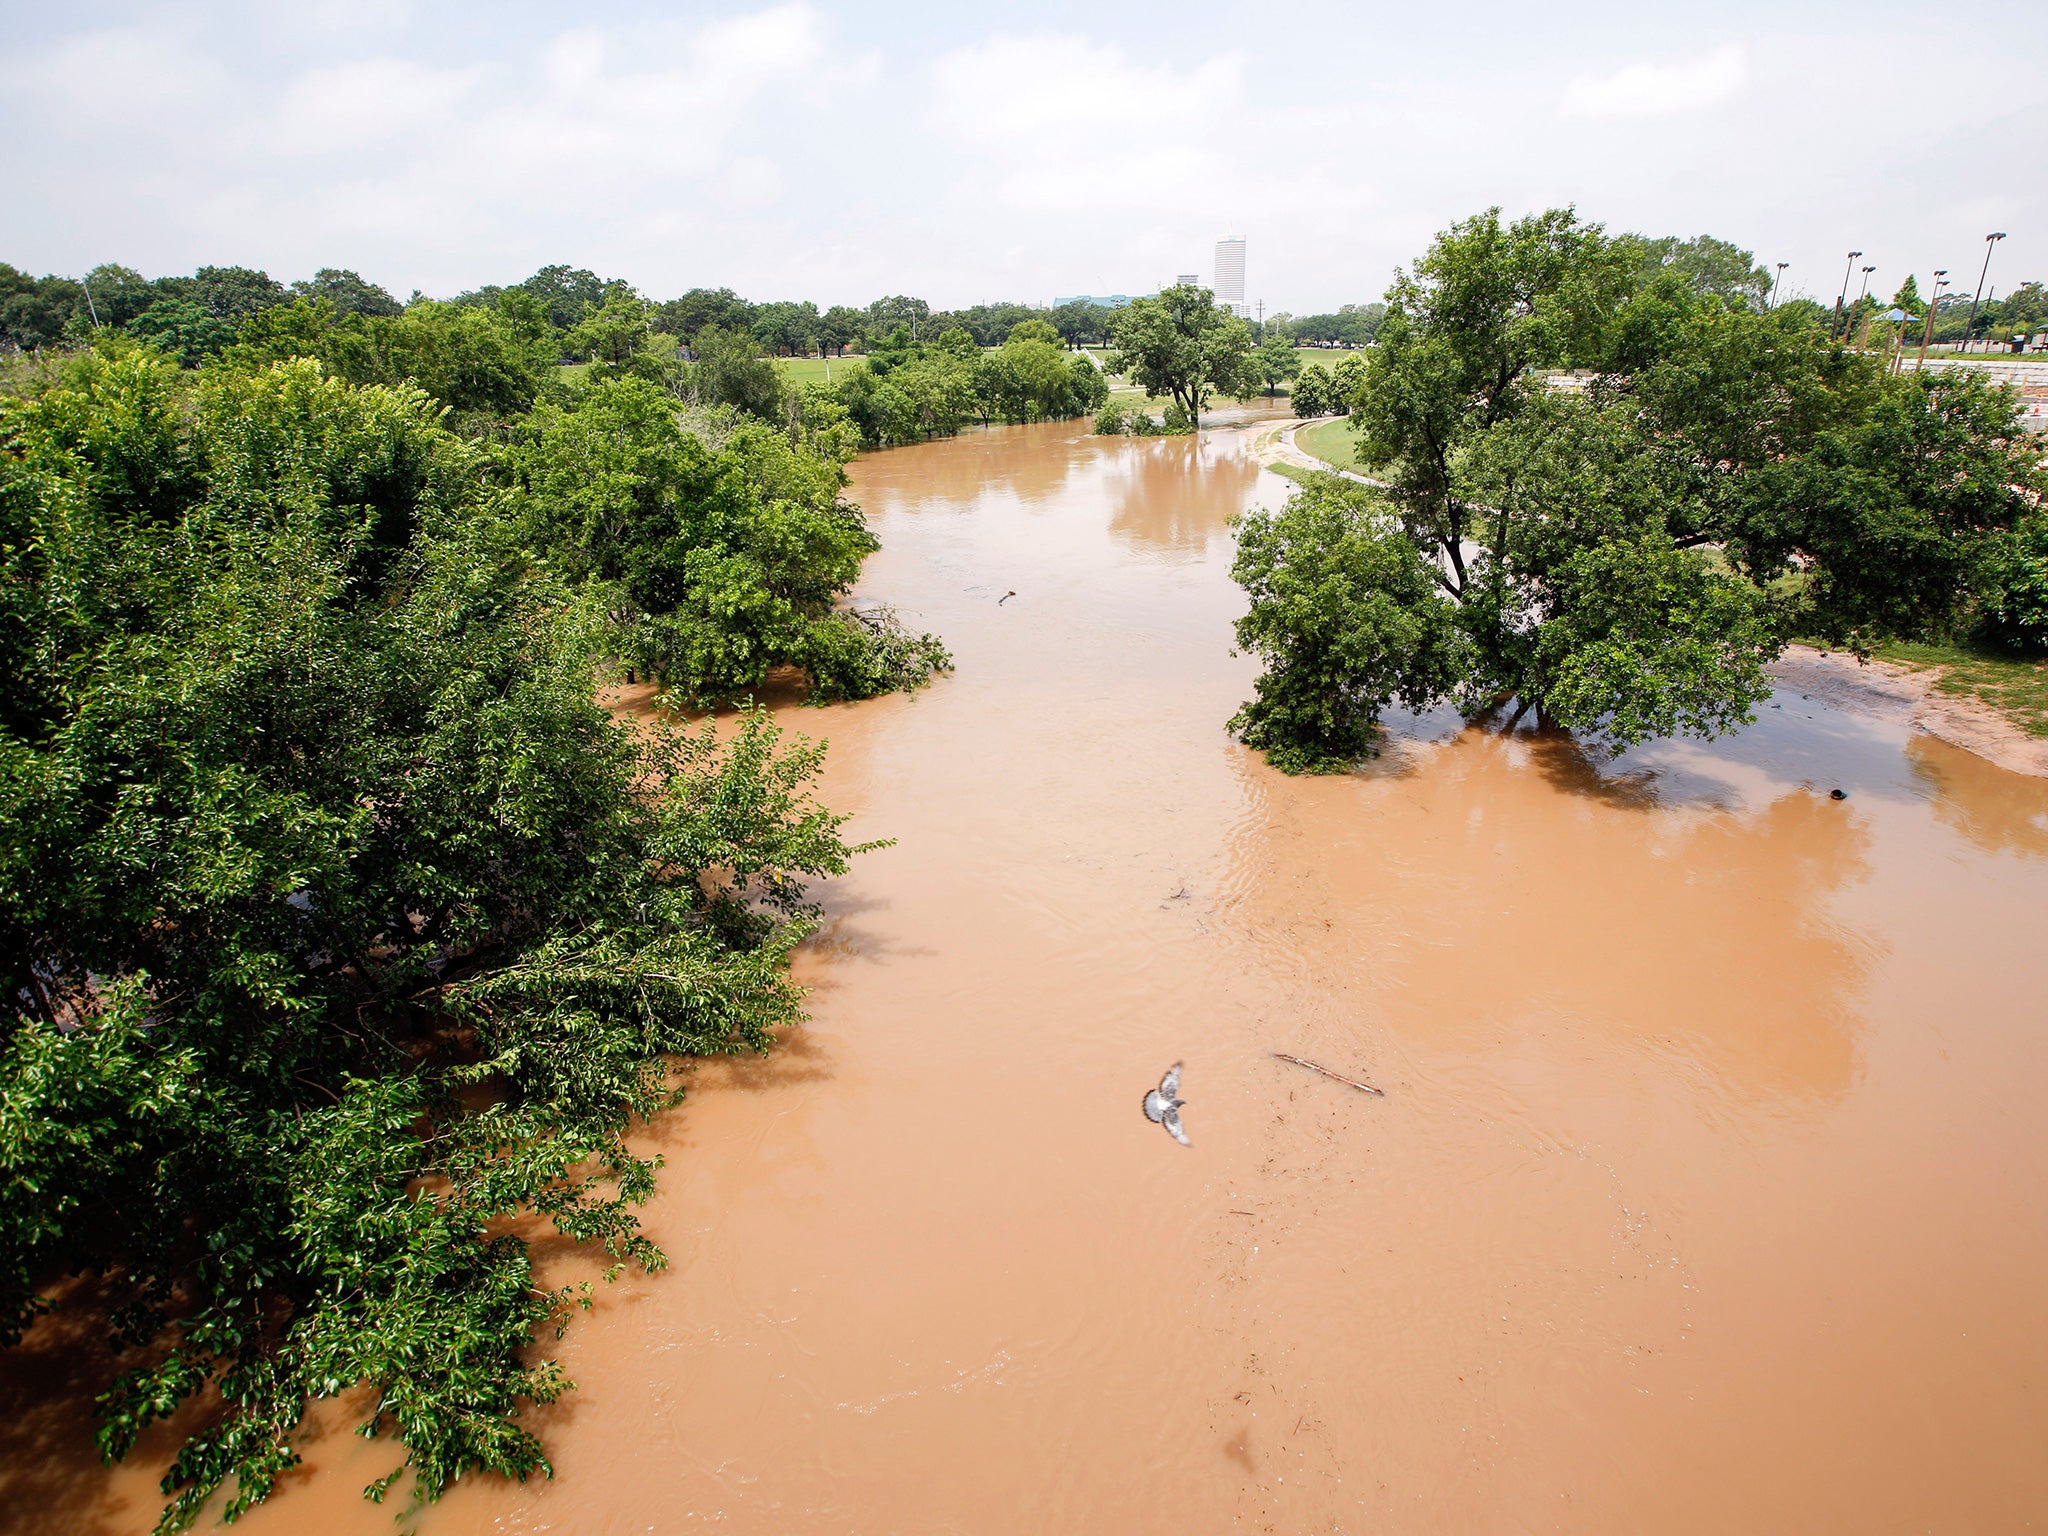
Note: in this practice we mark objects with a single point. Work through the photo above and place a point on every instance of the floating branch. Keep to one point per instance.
(1349, 1082)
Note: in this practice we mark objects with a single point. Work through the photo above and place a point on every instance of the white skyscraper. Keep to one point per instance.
(1230, 273)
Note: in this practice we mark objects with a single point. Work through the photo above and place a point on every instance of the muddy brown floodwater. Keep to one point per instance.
(1707, 1193)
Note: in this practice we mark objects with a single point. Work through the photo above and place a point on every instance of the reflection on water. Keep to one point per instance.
(1704, 1196)
(1176, 495)
(1998, 811)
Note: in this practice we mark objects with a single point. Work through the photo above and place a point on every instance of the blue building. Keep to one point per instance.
(1110, 301)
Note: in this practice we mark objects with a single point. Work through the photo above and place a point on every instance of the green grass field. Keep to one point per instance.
(817, 370)
(2015, 686)
(1331, 441)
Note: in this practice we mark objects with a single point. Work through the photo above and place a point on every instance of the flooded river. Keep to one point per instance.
(1707, 1193)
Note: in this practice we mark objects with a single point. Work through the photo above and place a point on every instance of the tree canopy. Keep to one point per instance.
(342, 930)
(1625, 556)
(1182, 345)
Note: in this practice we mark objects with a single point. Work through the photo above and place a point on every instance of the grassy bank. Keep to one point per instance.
(1331, 441)
(2015, 686)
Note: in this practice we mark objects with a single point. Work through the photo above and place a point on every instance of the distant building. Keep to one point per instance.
(1188, 280)
(1230, 273)
(1101, 301)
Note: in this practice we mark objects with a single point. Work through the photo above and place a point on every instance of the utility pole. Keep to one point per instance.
(1842, 299)
(1990, 245)
(1776, 281)
(1933, 302)
(1262, 322)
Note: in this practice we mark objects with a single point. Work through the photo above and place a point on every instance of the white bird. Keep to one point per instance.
(1162, 1104)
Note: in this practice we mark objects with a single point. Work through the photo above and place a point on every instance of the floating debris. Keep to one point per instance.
(1349, 1082)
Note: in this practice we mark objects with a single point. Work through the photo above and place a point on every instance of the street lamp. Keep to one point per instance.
(1842, 298)
(1990, 245)
(1777, 280)
(1933, 303)
(1866, 284)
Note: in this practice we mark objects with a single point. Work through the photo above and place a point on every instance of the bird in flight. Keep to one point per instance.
(1162, 1104)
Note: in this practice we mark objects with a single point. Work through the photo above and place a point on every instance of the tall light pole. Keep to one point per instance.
(1933, 302)
(1990, 245)
(1777, 280)
(1842, 298)
(1861, 295)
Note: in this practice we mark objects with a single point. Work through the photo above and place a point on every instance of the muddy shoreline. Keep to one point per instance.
(1885, 690)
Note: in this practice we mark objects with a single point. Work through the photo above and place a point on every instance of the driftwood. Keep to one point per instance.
(1349, 1082)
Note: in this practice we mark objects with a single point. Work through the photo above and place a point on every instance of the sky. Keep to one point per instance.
(963, 154)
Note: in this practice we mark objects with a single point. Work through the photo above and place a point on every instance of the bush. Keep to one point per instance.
(2014, 586)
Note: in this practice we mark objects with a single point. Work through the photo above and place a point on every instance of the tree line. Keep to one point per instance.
(198, 315)
(492, 354)
(1624, 557)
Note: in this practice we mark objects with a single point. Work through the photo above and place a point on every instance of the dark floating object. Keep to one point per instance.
(1004, 598)
(1349, 1082)
(1838, 794)
(1162, 1105)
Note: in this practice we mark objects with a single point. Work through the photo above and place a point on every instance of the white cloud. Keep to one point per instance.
(122, 77)
(1054, 122)
(1657, 90)
(366, 101)
(1021, 98)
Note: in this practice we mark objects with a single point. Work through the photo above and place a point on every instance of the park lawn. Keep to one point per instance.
(2015, 686)
(813, 370)
(1331, 441)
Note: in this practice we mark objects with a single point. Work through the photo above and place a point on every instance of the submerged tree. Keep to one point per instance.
(722, 547)
(1627, 555)
(1182, 345)
(340, 929)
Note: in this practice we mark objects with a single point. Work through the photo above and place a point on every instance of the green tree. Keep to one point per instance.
(1707, 266)
(183, 330)
(840, 327)
(787, 327)
(36, 312)
(232, 293)
(729, 370)
(1035, 329)
(469, 359)
(612, 333)
(1313, 391)
(720, 563)
(700, 307)
(1276, 362)
(1347, 617)
(570, 293)
(343, 937)
(349, 292)
(119, 294)
(1626, 556)
(1181, 345)
(884, 315)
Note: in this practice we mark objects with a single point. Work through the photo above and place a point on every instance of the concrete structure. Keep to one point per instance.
(1188, 280)
(1230, 273)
